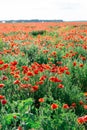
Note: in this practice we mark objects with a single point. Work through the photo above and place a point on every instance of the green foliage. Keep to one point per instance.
(2, 45)
(23, 106)
(32, 79)
(39, 32)
(9, 118)
(59, 118)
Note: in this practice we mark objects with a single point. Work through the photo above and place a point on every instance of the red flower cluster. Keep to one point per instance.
(82, 119)
(54, 79)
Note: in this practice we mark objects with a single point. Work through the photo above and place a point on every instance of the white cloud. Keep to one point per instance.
(43, 9)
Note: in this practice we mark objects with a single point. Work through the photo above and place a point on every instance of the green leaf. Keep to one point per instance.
(24, 105)
(9, 117)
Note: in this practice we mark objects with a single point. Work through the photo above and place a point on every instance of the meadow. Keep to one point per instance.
(43, 76)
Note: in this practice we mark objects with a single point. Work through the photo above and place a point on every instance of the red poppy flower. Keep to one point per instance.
(14, 116)
(74, 63)
(4, 77)
(19, 128)
(30, 73)
(25, 85)
(81, 120)
(25, 78)
(81, 102)
(4, 101)
(16, 82)
(55, 79)
(5, 66)
(1, 97)
(85, 118)
(67, 72)
(41, 99)
(85, 107)
(40, 82)
(65, 106)
(16, 76)
(43, 77)
(36, 71)
(1, 62)
(14, 63)
(73, 105)
(54, 106)
(35, 88)
(81, 65)
(2, 85)
(60, 86)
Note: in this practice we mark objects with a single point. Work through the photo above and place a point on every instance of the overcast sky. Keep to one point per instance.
(67, 10)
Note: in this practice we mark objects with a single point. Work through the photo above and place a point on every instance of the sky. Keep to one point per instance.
(67, 10)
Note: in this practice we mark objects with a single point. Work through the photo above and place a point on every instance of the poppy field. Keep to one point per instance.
(43, 76)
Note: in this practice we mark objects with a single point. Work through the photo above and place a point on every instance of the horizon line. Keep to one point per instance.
(41, 20)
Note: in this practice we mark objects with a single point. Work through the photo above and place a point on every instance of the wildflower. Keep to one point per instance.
(19, 128)
(85, 93)
(41, 99)
(16, 75)
(36, 71)
(14, 63)
(30, 73)
(60, 86)
(14, 116)
(81, 120)
(23, 54)
(85, 118)
(83, 58)
(12, 73)
(16, 82)
(25, 85)
(55, 79)
(65, 106)
(4, 78)
(2, 85)
(1, 62)
(1, 97)
(54, 53)
(25, 69)
(13, 68)
(40, 82)
(81, 102)
(85, 107)
(74, 63)
(5, 66)
(73, 105)
(81, 65)
(43, 77)
(4, 101)
(45, 51)
(35, 88)
(59, 62)
(67, 72)
(1, 68)
(25, 78)
(54, 106)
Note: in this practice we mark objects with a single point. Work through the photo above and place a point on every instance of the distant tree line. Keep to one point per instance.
(32, 20)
